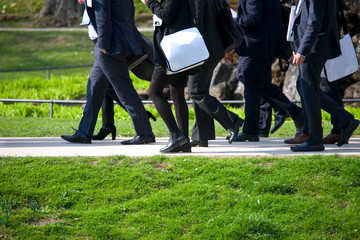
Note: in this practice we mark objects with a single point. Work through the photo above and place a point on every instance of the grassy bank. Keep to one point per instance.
(181, 198)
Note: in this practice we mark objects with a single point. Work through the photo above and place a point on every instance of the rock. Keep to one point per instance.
(222, 72)
(143, 94)
(353, 92)
(220, 91)
(289, 88)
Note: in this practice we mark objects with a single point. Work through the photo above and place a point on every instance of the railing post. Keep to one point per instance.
(51, 108)
(48, 73)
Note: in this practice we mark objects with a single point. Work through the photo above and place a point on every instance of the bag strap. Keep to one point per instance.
(342, 17)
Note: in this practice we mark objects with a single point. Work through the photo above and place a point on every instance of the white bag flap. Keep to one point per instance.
(184, 48)
(344, 65)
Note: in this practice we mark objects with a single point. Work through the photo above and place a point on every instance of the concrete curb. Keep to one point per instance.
(55, 146)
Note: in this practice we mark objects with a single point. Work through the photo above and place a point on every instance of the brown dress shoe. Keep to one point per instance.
(298, 139)
(332, 138)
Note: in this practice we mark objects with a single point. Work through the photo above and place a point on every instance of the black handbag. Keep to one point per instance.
(231, 33)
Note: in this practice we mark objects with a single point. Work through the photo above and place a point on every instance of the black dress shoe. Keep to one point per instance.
(279, 121)
(144, 139)
(305, 147)
(184, 148)
(76, 138)
(177, 139)
(104, 131)
(234, 131)
(242, 137)
(195, 143)
(347, 131)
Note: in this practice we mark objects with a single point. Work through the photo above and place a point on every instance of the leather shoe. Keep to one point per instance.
(144, 139)
(195, 143)
(347, 131)
(305, 147)
(332, 138)
(77, 138)
(242, 137)
(279, 121)
(177, 139)
(298, 139)
(263, 133)
(234, 131)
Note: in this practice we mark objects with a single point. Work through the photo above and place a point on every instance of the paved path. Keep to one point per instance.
(55, 146)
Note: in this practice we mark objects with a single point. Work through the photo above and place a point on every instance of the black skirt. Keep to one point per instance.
(176, 80)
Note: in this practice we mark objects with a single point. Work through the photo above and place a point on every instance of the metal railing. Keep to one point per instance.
(52, 102)
(48, 69)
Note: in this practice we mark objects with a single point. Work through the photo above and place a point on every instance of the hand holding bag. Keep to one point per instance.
(184, 49)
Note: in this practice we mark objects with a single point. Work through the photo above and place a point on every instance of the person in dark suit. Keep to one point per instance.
(171, 16)
(118, 40)
(316, 39)
(143, 71)
(206, 107)
(261, 21)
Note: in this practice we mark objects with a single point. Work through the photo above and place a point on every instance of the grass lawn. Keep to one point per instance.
(161, 197)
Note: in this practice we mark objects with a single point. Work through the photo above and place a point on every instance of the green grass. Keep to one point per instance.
(181, 198)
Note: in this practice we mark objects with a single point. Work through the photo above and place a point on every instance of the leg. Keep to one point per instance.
(181, 109)
(253, 74)
(308, 87)
(116, 71)
(163, 107)
(265, 118)
(199, 93)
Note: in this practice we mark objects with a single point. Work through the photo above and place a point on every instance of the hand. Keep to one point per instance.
(298, 59)
(81, 1)
(144, 1)
(103, 50)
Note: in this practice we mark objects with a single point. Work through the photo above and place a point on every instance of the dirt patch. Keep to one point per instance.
(162, 166)
(42, 222)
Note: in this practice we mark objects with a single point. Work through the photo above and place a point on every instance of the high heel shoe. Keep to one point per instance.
(103, 132)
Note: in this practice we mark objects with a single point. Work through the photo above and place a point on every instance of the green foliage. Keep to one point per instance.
(5, 211)
(305, 197)
(21, 7)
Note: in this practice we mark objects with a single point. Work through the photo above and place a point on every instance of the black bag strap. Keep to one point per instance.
(342, 17)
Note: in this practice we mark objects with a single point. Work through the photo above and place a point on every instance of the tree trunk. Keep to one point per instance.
(65, 12)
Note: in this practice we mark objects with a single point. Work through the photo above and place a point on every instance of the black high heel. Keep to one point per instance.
(103, 132)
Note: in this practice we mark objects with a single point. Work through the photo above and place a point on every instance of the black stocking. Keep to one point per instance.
(162, 105)
(181, 109)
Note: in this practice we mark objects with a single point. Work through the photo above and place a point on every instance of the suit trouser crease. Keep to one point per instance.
(114, 69)
(206, 107)
(313, 99)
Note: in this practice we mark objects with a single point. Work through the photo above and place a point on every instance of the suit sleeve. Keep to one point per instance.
(166, 11)
(102, 9)
(313, 27)
(252, 13)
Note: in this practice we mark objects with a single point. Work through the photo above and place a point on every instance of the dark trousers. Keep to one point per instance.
(206, 107)
(331, 89)
(313, 99)
(108, 107)
(255, 73)
(113, 70)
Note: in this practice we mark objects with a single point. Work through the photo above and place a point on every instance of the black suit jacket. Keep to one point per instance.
(114, 22)
(175, 15)
(316, 30)
(261, 20)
